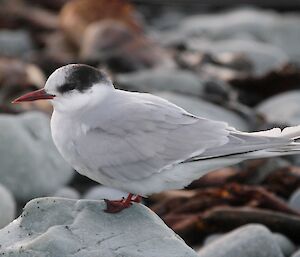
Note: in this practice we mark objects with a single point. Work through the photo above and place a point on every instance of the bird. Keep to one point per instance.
(140, 143)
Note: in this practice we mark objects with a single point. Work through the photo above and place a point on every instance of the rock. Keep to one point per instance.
(77, 15)
(122, 49)
(180, 81)
(62, 227)
(289, 115)
(15, 43)
(212, 238)
(30, 163)
(297, 254)
(262, 57)
(7, 206)
(265, 169)
(294, 200)
(67, 192)
(285, 244)
(282, 31)
(238, 23)
(103, 192)
(206, 110)
(247, 241)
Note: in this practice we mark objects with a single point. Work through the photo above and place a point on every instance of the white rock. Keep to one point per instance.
(263, 57)
(247, 241)
(7, 206)
(206, 109)
(286, 245)
(30, 163)
(297, 254)
(103, 192)
(67, 192)
(282, 108)
(212, 238)
(279, 30)
(179, 81)
(56, 227)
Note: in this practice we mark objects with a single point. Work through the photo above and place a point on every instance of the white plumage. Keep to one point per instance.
(141, 143)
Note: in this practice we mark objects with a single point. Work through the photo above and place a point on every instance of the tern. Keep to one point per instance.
(141, 143)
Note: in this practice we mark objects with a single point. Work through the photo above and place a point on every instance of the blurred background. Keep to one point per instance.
(235, 61)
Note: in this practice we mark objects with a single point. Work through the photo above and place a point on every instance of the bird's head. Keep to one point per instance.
(71, 87)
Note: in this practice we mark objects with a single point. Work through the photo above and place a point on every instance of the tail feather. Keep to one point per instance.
(243, 145)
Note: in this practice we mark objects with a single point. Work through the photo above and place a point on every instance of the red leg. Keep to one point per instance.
(119, 205)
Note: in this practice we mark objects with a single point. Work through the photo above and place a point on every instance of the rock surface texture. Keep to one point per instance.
(55, 227)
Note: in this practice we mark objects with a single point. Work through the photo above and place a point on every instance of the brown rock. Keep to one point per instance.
(115, 44)
(77, 15)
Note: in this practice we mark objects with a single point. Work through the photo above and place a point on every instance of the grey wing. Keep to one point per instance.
(145, 136)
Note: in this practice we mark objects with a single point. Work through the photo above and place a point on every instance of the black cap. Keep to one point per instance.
(81, 77)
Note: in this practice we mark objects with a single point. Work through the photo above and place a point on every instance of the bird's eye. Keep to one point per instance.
(67, 87)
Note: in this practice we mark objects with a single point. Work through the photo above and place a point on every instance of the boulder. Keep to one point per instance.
(30, 164)
(286, 245)
(273, 112)
(55, 227)
(206, 109)
(247, 241)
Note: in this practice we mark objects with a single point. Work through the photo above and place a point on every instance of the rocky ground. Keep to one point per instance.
(240, 65)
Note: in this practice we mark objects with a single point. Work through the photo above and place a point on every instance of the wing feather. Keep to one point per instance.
(145, 134)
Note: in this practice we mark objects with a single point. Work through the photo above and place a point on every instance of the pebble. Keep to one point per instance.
(122, 49)
(180, 81)
(30, 164)
(247, 241)
(206, 109)
(7, 206)
(289, 115)
(263, 57)
(63, 227)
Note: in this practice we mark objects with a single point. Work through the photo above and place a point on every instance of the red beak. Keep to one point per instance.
(32, 96)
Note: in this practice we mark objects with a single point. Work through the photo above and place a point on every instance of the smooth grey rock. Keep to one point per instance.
(30, 164)
(179, 81)
(15, 43)
(7, 206)
(206, 109)
(296, 254)
(247, 241)
(104, 192)
(294, 200)
(286, 245)
(282, 108)
(212, 238)
(52, 227)
(263, 57)
(280, 30)
(67, 192)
